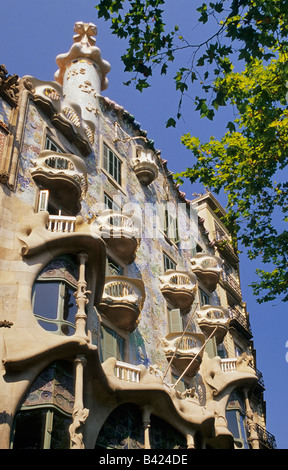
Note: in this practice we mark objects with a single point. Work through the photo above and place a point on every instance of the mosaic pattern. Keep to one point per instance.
(61, 268)
(5, 110)
(54, 386)
(124, 430)
(144, 347)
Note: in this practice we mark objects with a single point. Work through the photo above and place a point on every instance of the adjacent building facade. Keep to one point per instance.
(122, 323)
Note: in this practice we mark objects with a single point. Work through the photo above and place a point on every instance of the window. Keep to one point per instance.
(54, 306)
(43, 200)
(238, 350)
(109, 203)
(112, 164)
(48, 429)
(236, 425)
(111, 344)
(47, 415)
(204, 298)
(175, 321)
(53, 301)
(113, 268)
(171, 226)
(181, 385)
(196, 248)
(50, 145)
(168, 262)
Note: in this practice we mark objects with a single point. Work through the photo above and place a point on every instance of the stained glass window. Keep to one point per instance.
(123, 429)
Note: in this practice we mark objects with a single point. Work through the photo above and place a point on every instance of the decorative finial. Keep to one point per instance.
(83, 48)
(84, 33)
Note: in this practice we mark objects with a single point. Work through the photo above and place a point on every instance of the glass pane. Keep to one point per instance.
(45, 299)
(113, 268)
(231, 417)
(48, 326)
(69, 304)
(60, 438)
(67, 330)
(34, 421)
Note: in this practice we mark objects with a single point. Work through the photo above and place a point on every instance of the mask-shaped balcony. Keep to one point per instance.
(179, 288)
(64, 175)
(181, 350)
(210, 317)
(120, 233)
(145, 166)
(122, 301)
(207, 268)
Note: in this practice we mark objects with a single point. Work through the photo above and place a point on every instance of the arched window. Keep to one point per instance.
(123, 429)
(46, 413)
(53, 300)
(165, 436)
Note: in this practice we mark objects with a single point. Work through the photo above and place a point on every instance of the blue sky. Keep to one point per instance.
(33, 33)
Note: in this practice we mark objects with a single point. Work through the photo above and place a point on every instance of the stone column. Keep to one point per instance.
(190, 441)
(146, 425)
(253, 435)
(80, 414)
(81, 299)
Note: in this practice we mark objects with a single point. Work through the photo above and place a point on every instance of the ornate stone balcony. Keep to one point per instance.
(145, 166)
(120, 233)
(122, 301)
(179, 287)
(207, 268)
(210, 317)
(64, 175)
(184, 349)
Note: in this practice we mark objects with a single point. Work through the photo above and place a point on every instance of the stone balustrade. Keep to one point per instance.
(61, 223)
(127, 372)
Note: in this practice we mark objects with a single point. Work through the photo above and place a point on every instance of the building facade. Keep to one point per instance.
(122, 323)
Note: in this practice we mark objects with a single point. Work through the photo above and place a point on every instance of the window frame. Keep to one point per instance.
(114, 205)
(202, 293)
(111, 177)
(117, 337)
(49, 142)
(59, 321)
(112, 260)
(171, 260)
(171, 226)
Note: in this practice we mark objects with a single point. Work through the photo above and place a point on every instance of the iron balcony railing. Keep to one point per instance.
(266, 439)
(235, 314)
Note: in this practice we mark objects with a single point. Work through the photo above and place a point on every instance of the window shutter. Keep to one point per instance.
(108, 343)
(175, 321)
(160, 217)
(43, 200)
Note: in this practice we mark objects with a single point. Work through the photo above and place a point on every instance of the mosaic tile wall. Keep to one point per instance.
(145, 341)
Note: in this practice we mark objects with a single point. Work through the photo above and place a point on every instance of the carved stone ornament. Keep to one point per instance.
(9, 85)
